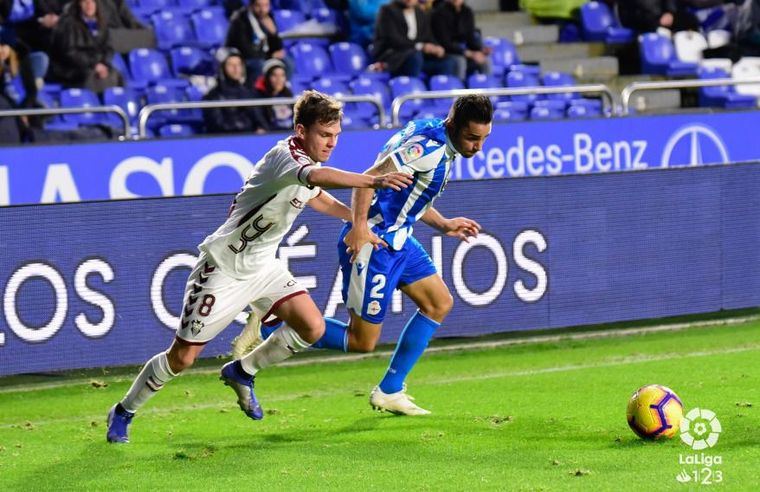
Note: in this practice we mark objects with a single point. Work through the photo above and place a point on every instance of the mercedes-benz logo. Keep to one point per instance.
(694, 145)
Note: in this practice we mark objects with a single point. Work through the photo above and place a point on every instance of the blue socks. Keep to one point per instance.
(413, 341)
(267, 330)
(335, 337)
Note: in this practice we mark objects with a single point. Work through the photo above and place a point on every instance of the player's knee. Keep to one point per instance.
(313, 331)
(179, 360)
(439, 308)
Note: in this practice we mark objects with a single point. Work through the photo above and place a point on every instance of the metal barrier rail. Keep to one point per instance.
(148, 110)
(631, 89)
(602, 89)
(57, 111)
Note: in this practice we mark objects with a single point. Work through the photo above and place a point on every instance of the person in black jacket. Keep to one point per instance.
(273, 83)
(81, 54)
(404, 41)
(648, 15)
(454, 27)
(231, 85)
(253, 33)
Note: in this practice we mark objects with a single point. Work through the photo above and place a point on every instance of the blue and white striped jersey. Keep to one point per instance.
(421, 148)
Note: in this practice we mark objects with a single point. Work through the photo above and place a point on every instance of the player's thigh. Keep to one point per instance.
(301, 314)
(212, 301)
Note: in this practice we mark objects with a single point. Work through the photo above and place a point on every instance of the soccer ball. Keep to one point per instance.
(654, 412)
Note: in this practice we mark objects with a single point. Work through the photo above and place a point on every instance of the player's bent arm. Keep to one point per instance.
(327, 204)
(434, 219)
(329, 177)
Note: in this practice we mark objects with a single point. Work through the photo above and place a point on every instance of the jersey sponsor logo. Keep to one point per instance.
(250, 233)
(297, 203)
(412, 153)
(373, 308)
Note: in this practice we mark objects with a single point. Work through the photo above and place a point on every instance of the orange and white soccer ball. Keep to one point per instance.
(655, 412)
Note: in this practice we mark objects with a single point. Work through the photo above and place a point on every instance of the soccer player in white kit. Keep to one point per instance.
(237, 266)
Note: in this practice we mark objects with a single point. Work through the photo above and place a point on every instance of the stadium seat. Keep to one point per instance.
(408, 85)
(313, 62)
(189, 6)
(718, 38)
(520, 79)
(326, 16)
(192, 61)
(507, 114)
(126, 99)
(482, 81)
(330, 86)
(599, 24)
(81, 98)
(722, 96)
(576, 110)
(176, 130)
(172, 30)
(444, 83)
(193, 93)
(544, 113)
(559, 79)
(150, 67)
(503, 54)
(210, 27)
(555, 106)
(368, 85)
(304, 6)
(658, 57)
(747, 68)
(286, 20)
(348, 58)
(689, 46)
(155, 5)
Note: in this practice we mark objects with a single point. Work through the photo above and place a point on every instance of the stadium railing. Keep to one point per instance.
(631, 89)
(60, 111)
(147, 111)
(603, 90)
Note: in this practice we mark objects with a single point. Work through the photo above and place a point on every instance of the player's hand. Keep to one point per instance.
(462, 228)
(357, 238)
(394, 181)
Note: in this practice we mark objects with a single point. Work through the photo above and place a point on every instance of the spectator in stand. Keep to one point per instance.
(118, 15)
(274, 83)
(231, 85)
(362, 15)
(253, 33)
(10, 132)
(81, 54)
(649, 15)
(404, 41)
(37, 32)
(454, 27)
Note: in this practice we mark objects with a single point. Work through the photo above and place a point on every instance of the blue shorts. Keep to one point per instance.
(369, 282)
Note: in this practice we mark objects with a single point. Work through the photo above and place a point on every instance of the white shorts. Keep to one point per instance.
(213, 299)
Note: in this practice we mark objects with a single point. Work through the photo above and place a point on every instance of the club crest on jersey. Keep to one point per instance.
(196, 326)
(373, 308)
(412, 153)
(297, 203)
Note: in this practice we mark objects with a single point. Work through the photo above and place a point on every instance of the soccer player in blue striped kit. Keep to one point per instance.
(426, 149)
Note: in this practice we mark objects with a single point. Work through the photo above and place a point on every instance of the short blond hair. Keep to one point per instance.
(315, 107)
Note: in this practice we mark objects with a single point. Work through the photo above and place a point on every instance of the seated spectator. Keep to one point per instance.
(404, 41)
(454, 27)
(9, 127)
(273, 83)
(231, 85)
(362, 15)
(649, 15)
(81, 54)
(253, 33)
(37, 32)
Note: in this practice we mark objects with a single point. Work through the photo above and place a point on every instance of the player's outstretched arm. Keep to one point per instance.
(459, 227)
(330, 177)
(327, 204)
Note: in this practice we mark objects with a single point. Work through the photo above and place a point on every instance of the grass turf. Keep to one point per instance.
(542, 416)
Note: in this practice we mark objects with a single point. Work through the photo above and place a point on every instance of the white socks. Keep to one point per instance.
(151, 379)
(280, 345)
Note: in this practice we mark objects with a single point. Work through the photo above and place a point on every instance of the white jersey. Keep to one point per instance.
(264, 211)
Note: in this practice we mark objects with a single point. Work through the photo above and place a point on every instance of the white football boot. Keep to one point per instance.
(249, 338)
(399, 403)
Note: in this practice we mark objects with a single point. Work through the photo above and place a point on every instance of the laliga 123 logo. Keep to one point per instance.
(700, 430)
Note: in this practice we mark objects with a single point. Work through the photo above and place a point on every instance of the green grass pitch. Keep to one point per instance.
(537, 416)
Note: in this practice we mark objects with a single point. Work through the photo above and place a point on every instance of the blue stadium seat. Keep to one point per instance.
(150, 67)
(126, 99)
(188, 60)
(659, 57)
(354, 121)
(312, 62)
(501, 115)
(559, 79)
(348, 58)
(520, 79)
(176, 130)
(408, 85)
(330, 86)
(193, 93)
(326, 16)
(544, 113)
(576, 110)
(189, 6)
(599, 24)
(368, 85)
(503, 54)
(81, 98)
(210, 27)
(444, 83)
(555, 106)
(286, 20)
(155, 5)
(172, 30)
(304, 6)
(724, 96)
(482, 81)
